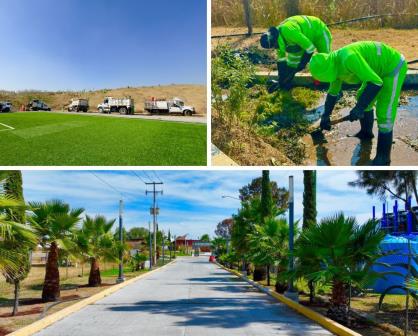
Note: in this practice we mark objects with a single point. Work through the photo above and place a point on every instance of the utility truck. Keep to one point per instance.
(78, 104)
(164, 106)
(37, 105)
(5, 106)
(121, 105)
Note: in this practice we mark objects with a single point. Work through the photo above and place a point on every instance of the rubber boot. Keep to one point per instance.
(366, 123)
(384, 147)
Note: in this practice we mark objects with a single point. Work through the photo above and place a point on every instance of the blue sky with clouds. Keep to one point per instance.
(192, 201)
(89, 44)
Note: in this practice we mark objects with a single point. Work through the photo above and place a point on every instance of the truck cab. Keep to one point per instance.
(5, 106)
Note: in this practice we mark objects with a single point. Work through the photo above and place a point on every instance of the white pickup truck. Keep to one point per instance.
(37, 105)
(121, 105)
(5, 106)
(173, 106)
(77, 104)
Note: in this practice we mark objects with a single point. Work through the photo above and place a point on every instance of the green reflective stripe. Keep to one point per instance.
(294, 57)
(282, 59)
(311, 49)
(292, 63)
(389, 123)
(307, 20)
(379, 48)
(399, 66)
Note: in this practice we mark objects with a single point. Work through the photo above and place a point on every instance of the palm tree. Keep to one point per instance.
(339, 252)
(269, 245)
(96, 241)
(12, 231)
(18, 245)
(55, 223)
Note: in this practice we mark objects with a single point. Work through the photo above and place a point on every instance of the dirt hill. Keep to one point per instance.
(194, 95)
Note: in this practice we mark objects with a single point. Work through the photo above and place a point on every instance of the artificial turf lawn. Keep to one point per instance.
(48, 139)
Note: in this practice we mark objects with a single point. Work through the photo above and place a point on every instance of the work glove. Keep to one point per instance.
(369, 94)
(330, 102)
(356, 113)
(306, 57)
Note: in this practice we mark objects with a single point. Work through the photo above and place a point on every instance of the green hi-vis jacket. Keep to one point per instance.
(356, 63)
(298, 34)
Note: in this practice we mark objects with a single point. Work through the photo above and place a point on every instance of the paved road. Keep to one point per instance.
(189, 297)
(198, 119)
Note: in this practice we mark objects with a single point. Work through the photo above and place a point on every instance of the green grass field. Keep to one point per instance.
(48, 139)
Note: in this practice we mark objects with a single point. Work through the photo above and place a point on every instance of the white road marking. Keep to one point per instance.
(9, 128)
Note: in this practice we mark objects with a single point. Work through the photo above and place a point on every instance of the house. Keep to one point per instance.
(192, 244)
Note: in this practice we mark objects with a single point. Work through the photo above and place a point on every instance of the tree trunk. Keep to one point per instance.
(338, 309)
(268, 275)
(94, 278)
(16, 299)
(311, 286)
(51, 288)
(260, 273)
(280, 287)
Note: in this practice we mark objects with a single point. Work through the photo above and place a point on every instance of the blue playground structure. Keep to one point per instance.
(402, 238)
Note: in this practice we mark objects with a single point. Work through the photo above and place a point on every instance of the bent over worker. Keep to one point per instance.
(381, 71)
(296, 39)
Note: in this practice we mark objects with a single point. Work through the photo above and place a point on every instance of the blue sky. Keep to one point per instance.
(89, 44)
(192, 201)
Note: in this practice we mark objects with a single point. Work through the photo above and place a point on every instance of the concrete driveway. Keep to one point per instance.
(189, 297)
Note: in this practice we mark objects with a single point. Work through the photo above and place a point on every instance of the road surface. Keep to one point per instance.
(189, 297)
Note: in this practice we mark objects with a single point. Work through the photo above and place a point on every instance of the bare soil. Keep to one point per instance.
(194, 95)
(405, 40)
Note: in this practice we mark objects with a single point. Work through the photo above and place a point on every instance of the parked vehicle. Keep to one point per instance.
(121, 105)
(5, 106)
(78, 104)
(37, 105)
(173, 106)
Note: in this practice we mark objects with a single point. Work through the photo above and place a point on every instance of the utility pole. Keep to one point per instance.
(154, 212)
(150, 245)
(163, 247)
(291, 293)
(120, 278)
(248, 16)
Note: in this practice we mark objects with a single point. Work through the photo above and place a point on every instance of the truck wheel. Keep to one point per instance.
(76, 109)
(187, 113)
(123, 110)
(100, 110)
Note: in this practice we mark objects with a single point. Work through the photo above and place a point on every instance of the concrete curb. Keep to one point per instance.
(50, 319)
(326, 322)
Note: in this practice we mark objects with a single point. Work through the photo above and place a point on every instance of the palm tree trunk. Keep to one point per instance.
(16, 298)
(280, 287)
(94, 278)
(338, 309)
(51, 288)
(311, 286)
(268, 275)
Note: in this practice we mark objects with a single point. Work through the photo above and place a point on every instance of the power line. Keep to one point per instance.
(156, 175)
(148, 177)
(106, 183)
(139, 177)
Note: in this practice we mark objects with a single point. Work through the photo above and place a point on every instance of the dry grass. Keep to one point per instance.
(405, 41)
(192, 94)
(270, 12)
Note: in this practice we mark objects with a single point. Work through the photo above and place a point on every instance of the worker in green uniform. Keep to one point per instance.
(381, 71)
(296, 39)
